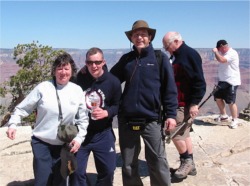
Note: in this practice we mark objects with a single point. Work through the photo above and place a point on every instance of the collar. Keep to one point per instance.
(144, 51)
(85, 70)
(180, 49)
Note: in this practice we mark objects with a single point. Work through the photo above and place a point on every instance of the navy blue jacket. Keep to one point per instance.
(142, 95)
(189, 77)
(108, 88)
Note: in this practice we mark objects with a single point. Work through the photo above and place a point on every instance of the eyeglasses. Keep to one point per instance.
(94, 62)
(167, 46)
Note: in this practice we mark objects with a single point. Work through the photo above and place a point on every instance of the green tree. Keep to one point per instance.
(35, 62)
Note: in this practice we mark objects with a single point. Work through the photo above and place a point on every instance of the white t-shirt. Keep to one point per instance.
(229, 71)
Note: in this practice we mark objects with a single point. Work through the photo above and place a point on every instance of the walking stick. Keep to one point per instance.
(168, 140)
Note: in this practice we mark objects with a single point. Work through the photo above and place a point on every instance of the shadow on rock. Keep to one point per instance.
(118, 160)
(143, 168)
(210, 122)
(173, 178)
(22, 183)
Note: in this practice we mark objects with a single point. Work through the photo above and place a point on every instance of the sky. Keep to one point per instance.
(86, 24)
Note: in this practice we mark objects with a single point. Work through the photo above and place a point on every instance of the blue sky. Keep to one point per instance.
(84, 24)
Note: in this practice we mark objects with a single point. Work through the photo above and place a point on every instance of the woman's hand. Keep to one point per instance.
(11, 133)
(75, 146)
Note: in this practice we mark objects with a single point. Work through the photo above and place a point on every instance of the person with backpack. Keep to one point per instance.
(149, 86)
(191, 86)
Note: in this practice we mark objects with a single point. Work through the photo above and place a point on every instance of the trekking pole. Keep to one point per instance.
(168, 140)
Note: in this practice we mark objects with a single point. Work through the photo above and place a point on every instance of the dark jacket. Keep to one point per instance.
(189, 77)
(142, 93)
(109, 89)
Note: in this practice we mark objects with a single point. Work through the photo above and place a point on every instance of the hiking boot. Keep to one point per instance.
(193, 172)
(234, 124)
(221, 118)
(187, 167)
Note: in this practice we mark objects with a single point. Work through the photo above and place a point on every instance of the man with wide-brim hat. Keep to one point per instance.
(140, 24)
(149, 84)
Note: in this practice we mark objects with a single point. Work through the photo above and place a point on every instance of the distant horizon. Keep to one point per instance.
(108, 48)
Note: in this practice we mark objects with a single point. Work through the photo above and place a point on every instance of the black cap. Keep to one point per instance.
(221, 43)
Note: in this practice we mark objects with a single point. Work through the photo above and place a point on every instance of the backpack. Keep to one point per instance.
(158, 54)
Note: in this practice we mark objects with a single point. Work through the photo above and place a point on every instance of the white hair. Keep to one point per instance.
(175, 36)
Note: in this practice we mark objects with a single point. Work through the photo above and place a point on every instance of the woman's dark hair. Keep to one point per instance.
(61, 60)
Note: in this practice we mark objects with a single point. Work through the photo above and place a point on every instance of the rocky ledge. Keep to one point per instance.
(221, 156)
(245, 113)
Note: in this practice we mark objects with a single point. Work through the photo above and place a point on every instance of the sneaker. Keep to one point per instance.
(234, 124)
(221, 118)
(187, 167)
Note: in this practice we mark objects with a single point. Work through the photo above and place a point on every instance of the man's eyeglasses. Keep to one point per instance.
(167, 46)
(94, 62)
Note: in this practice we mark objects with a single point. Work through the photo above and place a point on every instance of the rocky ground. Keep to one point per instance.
(222, 157)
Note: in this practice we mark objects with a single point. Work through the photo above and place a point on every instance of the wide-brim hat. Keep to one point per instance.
(141, 24)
